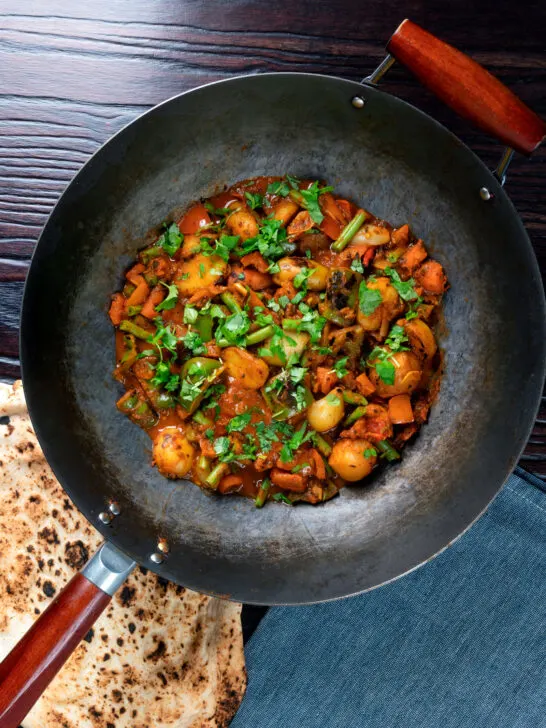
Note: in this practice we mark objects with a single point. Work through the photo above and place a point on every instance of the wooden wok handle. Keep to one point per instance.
(467, 88)
(33, 663)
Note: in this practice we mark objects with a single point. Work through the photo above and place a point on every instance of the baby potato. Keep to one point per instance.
(243, 223)
(390, 306)
(290, 267)
(190, 246)
(172, 452)
(250, 371)
(421, 338)
(201, 271)
(327, 412)
(407, 374)
(371, 234)
(349, 460)
(301, 339)
(285, 211)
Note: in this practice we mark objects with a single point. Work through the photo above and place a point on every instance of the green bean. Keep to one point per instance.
(131, 328)
(230, 302)
(150, 278)
(133, 310)
(130, 352)
(354, 398)
(355, 415)
(349, 231)
(388, 451)
(322, 446)
(201, 419)
(256, 336)
(291, 324)
(149, 253)
(217, 474)
(261, 497)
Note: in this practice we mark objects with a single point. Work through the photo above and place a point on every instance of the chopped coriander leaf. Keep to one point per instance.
(238, 423)
(340, 367)
(209, 434)
(170, 301)
(405, 289)
(299, 468)
(233, 328)
(222, 447)
(162, 374)
(386, 371)
(223, 246)
(297, 374)
(307, 253)
(356, 265)
(184, 276)
(300, 279)
(261, 318)
(297, 440)
(188, 393)
(280, 188)
(413, 309)
(368, 299)
(194, 343)
(272, 241)
(171, 239)
(311, 197)
(301, 396)
(220, 211)
(216, 311)
(370, 452)
(397, 339)
(283, 301)
(282, 498)
(273, 305)
(274, 268)
(163, 338)
(190, 314)
(332, 398)
(323, 350)
(254, 200)
(293, 181)
(202, 270)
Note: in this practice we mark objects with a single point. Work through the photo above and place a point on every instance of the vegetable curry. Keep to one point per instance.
(277, 341)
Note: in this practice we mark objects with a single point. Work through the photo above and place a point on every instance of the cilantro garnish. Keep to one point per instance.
(379, 356)
(311, 197)
(254, 200)
(296, 441)
(278, 188)
(233, 328)
(171, 299)
(191, 314)
(340, 367)
(370, 452)
(272, 241)
(368, 299)
(238, 423)
(223, 246)
(405, 289)
(164, 378)
(188, 393)
(282, 498)
(171, 239)
(300, 279)
(163, 338)
(194, 343)
(356, 265)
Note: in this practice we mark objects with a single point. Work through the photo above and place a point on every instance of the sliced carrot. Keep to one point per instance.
(326, 379)
(368, 256)
(196, 218)
(140, 294)
(117, 308)
(400, 410)
(364, 384)
(413, 256)
(133, 275)
(400, 237)
(331, 228)
(288, 481)
(157, 295)
(256, 280)
(329, 206)
(300, 224)
(256, 260)
(230, 483)
(347, 208)
(431, 277)
(320, 468)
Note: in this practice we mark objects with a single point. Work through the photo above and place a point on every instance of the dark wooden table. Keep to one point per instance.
(71, 74)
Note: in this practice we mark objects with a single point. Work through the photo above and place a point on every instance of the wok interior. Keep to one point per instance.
(400, 165)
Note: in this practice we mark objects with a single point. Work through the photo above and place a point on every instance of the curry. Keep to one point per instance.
(278, 341)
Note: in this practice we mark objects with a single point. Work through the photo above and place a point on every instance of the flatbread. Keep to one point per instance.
(160, 656)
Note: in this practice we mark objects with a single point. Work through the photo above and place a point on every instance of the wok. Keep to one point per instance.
(403, 166)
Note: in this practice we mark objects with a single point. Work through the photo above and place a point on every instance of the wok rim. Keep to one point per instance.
(32, 402)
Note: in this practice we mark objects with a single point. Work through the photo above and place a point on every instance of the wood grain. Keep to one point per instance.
(74, 73)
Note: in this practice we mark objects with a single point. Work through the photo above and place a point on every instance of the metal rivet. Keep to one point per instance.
(114, 508)
(156, 558)
(485, 194)
(105, 517)
(163, 546)
(358, 102)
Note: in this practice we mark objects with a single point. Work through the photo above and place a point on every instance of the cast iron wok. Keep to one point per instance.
(400, 164)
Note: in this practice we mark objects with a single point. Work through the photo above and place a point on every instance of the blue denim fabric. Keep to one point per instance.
(459, 643)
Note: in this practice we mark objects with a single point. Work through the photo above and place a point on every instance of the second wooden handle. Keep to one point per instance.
(467, 88)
